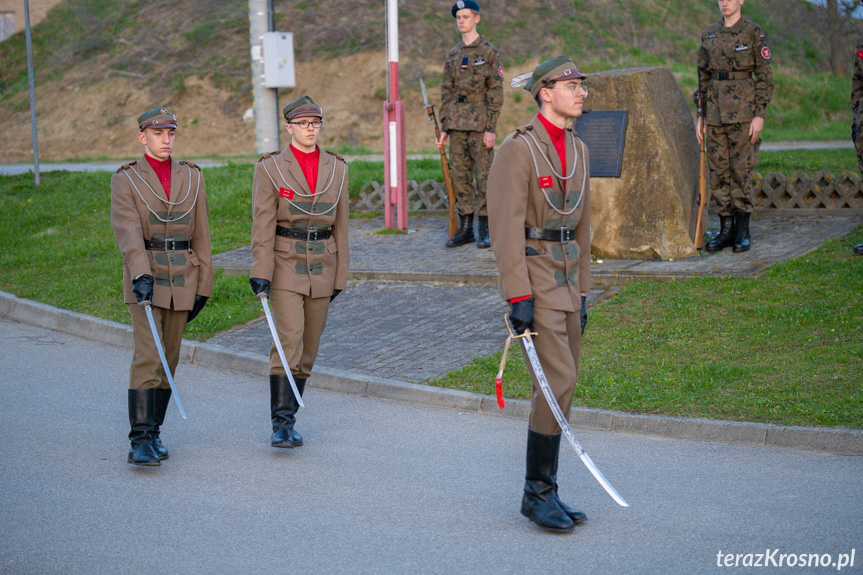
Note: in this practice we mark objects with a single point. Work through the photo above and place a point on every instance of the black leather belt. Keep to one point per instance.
(561, 235)
(308, 235)
(731, 75)
(167, 245)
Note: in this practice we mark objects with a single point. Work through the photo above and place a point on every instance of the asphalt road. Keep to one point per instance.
(379, 487)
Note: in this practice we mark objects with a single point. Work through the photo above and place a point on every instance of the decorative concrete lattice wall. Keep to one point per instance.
(802, 193)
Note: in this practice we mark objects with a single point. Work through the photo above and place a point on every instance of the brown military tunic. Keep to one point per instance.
(524, 191)
(736, 84)
(141, 210)
(857, 102)
(303, 272)
(471, 101)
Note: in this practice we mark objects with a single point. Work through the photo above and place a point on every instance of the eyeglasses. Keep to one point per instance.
(574, 88)
(303, 124)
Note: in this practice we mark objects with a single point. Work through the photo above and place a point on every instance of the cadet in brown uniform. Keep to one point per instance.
(471, 99)
(735, 84)
(300, 252)
(539, 211)
(159, 212)
(857, 110)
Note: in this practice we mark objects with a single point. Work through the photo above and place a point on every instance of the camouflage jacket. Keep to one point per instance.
(471, 89)
(734, 76)
(857, 83)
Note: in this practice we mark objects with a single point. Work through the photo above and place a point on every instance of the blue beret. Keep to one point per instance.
(467, 4)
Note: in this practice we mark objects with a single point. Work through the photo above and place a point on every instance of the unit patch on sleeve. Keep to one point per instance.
(765, 53)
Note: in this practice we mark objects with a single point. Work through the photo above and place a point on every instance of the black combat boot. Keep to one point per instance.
(163, 397)
(741, 236)
(540, 501)
(482, 240)
(464, 234)
(283, 408)
(858, 249)
(576, 516)
(142, 412)
(725, 237)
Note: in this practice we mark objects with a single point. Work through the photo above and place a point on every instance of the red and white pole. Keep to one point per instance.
(395, 156)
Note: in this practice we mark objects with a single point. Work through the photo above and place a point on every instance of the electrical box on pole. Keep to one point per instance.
(279, 60)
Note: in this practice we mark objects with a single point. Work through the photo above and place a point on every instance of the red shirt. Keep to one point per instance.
(309, 164)
(557, 138)
(163, 172)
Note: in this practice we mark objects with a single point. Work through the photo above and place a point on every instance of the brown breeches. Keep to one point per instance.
(300, 321)
(146, 371)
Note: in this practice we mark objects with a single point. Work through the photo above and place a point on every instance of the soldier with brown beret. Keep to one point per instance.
(471, 100)
(539, 211)
(159, 212)
(735, 85)
(299, 252)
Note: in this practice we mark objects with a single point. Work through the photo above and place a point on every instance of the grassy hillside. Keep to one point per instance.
(193, 54)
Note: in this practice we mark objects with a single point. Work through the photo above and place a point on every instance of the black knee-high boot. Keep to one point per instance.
(540, 501)
(142, 413)
(163, 397)
(283, 409)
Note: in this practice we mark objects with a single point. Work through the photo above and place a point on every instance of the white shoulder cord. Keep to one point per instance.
(157, 216)
(553, 171)
(327, 187)
(177, 203)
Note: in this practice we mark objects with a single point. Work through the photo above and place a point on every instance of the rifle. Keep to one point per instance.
(447, 178)
(702, 178)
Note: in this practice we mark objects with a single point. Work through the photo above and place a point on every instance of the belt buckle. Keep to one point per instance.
(462, 98)
(723, 74)
(309, 235)
(170, 247)
(565, 235)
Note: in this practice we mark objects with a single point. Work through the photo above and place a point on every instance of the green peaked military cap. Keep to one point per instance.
(560, 68)
(157, 118)
(467, 4)
(302, 106)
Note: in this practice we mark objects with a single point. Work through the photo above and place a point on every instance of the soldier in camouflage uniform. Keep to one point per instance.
(471, 100)
(735, 85)
(857, 109)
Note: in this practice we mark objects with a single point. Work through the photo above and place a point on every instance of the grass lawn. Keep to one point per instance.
(784, 348)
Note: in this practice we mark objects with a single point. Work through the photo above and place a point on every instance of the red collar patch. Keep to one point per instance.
(545, 182)
(765, 53)
(286, 193)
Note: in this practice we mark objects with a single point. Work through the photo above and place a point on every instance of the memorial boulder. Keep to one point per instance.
(649, 211)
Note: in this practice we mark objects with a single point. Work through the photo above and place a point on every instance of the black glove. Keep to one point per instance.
(143, 288)
(583, 313)
(260, 286)
(521, 315)
(200, 302)
(335, 293)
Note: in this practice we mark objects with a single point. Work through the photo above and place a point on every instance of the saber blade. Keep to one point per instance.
(148, 308)
(529, 348)
(265, 303)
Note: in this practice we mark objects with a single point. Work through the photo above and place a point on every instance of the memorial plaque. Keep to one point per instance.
(604, 133)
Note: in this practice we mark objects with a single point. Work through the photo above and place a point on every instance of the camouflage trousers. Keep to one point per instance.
(731, 158)
(857, 136)
(469, 159)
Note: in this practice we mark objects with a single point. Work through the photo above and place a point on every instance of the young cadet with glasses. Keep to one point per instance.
(159, 213)
(539, 216)
(300, 252)
(735, 86)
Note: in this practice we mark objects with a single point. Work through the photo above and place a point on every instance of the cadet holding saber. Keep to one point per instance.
(299, 255)
(539, 216)
(159, 212)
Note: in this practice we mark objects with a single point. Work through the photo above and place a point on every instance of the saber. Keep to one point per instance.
(148, 308)
(530, 350)
(263, 297)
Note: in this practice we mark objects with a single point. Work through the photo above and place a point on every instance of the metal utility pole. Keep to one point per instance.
(34, 135)
(266, 100)
(395, 159)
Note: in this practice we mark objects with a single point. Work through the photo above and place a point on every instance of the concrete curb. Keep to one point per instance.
(828, 440)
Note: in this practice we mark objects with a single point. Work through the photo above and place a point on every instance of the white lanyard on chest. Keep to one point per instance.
(553, 171)
(155, 195)
(302, 195)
